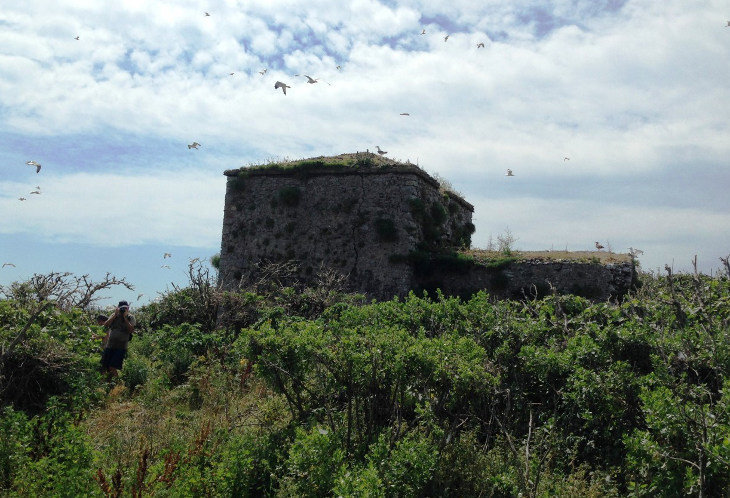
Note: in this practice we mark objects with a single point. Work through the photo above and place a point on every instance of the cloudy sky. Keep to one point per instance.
(636, 93)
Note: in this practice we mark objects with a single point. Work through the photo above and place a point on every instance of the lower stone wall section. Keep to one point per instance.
(520, 279)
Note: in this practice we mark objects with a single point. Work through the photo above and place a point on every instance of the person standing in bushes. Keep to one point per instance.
(120, 328)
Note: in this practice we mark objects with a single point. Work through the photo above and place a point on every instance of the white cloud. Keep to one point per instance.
(116, 210)
(620, 91)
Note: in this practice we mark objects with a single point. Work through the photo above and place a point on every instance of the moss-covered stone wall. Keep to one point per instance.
(360, 221)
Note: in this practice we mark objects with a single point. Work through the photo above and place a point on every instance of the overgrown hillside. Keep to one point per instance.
(310, 392)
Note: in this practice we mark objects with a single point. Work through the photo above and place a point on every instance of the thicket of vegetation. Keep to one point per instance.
(310, 392)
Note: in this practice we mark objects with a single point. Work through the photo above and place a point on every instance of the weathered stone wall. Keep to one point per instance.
(387, 227)
(518, 279)
(360, 222)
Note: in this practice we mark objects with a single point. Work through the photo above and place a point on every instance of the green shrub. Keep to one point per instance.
(289, 196)
(135, 372)
(408, 468)
(314, 460)
(386, 230)
(438, 213)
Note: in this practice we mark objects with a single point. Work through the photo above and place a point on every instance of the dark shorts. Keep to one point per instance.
(112, 358)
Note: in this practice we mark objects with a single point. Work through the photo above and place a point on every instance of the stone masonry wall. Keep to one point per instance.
(526, 278)
(359, 222)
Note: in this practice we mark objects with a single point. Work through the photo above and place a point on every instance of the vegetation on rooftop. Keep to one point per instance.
(354, 161)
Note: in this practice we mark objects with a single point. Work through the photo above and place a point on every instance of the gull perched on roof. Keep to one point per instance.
(381, 152)
(194, 145)
(281, 85)
(33, 163)
(509, 173)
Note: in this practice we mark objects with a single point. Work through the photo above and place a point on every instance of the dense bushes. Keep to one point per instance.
(308, 393)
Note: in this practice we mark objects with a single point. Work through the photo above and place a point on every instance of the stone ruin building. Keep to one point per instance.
(387, 226)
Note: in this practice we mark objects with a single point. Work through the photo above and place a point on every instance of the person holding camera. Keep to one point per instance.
(120, 327)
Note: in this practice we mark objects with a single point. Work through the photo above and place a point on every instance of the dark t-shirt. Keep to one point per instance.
(118, 333)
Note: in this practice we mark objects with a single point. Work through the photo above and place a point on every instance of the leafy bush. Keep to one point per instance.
(289, 196)
(135, 372)
(315, 456)
(322, 394)
(386, 230)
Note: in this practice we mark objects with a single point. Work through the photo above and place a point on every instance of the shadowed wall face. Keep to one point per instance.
(360, 223)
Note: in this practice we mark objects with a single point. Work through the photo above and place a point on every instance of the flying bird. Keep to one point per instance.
(21, 198)
(33, 163)
(423, 31)
(310, 79)
(194, 145)
(404, 114)
(599, 246)
(446, 38)
(8, 264)
(165, 266)
(281, 85)
(509, 173)
(166, 255)
(36, 192)
(339, 68)
(480, 45)
(381, 152)
(566, 159)
(76, 38)
(728, 24)
(207, 15)
(263, 72)
(231, 74)
(139, 296)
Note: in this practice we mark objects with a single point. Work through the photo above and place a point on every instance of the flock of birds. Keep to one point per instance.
(283, 86)
(37, 190)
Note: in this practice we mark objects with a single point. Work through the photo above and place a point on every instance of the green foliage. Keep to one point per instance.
(135, 372)
(386, 230)
(181, 346)
(321, 394)
(289, 196)
(315, 456)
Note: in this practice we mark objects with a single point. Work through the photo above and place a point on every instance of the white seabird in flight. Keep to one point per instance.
(33, 163)
(281, 85)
